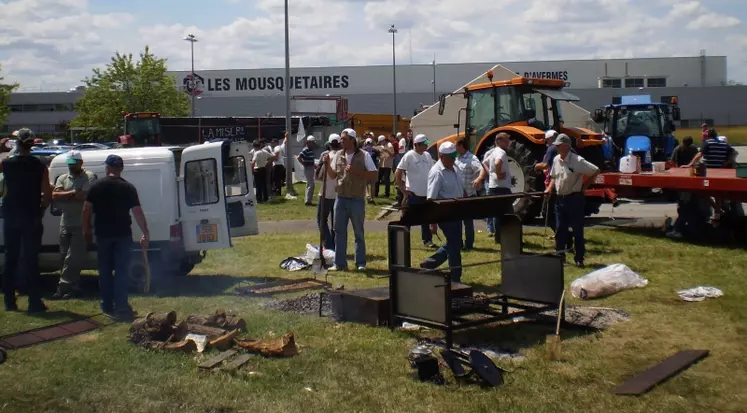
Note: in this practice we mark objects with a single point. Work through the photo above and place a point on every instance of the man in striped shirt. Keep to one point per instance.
(306, 159)
(716, 154)
(474, 177)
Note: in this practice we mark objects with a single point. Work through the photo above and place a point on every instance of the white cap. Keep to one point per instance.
(421, 138)
(399, 134)
(369, 140)
(310, 138)
(446, 148)
(334, 137)
(74, 157)
(551, 134)
(381, 138)
(350, 132)
(723, 139)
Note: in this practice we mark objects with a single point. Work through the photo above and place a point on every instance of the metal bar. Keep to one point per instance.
(288, 154)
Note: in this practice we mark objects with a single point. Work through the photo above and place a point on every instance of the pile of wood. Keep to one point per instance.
(162, 331)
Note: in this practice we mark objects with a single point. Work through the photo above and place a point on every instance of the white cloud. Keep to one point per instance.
(61, 40)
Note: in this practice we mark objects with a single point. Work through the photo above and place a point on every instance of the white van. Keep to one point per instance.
(195, 199)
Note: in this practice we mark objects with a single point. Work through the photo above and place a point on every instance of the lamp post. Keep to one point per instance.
(192, 40)
(435, 99)
(393, 31)
(286, 83)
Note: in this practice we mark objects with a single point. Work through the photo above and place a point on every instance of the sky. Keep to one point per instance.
(53, 44)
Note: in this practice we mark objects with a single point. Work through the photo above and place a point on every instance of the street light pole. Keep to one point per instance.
(192, 40)
(288, 157)
(393, 31)
(434, 78)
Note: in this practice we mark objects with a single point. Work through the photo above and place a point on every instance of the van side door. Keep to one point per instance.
(202, 199)
(239, 189)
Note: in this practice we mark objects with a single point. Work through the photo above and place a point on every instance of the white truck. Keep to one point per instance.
(195, 199)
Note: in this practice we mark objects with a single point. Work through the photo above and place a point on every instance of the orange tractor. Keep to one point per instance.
(525, 108)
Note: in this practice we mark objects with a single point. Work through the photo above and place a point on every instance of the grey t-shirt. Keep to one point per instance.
(72, 211)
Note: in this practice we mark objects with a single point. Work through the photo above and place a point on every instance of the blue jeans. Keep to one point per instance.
(450, 250)
(22, 244)
(569, 213)
(322, 221)
(469, 233)
(425, 231)
(114, 264)
(496, 220)
(354, 210)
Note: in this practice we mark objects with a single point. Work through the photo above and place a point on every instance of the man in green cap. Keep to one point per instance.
(69, 194)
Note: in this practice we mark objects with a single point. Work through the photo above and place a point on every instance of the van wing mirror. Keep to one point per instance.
(599, 115)
(441, 104)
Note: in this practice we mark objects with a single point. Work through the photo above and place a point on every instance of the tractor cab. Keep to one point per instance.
(639, 126)
(141, 129)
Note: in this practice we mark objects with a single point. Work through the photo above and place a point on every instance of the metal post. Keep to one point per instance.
(192, 40)
(393, 31)
(435, 99)
(288, 156)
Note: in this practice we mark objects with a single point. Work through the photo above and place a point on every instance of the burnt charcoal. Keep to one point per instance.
(304, 304)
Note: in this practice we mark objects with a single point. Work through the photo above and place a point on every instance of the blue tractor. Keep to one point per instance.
(639, 126)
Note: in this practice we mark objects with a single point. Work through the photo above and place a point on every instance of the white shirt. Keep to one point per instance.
(260, 158)
(417, 168)
(331, 192)
(493, 181)
(370, 165)
(569, 174)
(402, 145)
(280, 153)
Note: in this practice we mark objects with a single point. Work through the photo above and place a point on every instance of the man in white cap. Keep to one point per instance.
(368, 147)
(445, 181)
(412, 179)
(327, 199)
(69, 194)
(353, 168)
(567, 179)
(306, 159)
(386, 157)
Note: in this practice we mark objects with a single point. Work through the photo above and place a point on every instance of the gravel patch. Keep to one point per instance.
(594, 317)
(304, 304)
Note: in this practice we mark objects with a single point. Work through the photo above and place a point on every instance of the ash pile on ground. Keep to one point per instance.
(304, 304)
(594, 317)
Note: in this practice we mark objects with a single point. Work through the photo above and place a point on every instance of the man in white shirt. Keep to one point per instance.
(260, 161)
(474, 176)
(386, 157)
(327, 196)
(412, 179)
(278, 167)
(352, 168)
(499, 175)
(445, 181)
(567, 179)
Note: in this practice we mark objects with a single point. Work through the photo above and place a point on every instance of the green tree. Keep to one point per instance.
(128, 86)
(5, 91)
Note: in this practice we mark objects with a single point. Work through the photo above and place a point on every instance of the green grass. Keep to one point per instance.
(737, 135)
(281, 209)
(356, 368)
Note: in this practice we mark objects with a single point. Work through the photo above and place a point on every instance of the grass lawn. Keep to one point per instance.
(355, 368)
(281, 209)
(737, 135)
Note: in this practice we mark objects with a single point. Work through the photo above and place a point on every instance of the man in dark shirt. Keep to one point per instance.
(28, 194)
(685, 152)
(109, 201)
(306, 158)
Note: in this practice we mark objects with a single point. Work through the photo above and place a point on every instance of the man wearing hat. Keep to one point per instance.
(386, 157)
(412, 179)
(306, 159)
(27, 196)
(69, 194)
(445, 181)
(325, 209)
(567, 179)
(110, 200)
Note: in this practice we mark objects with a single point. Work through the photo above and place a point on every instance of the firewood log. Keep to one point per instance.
(219, 319)
(224, 342)
(284, 346)
(211, 332)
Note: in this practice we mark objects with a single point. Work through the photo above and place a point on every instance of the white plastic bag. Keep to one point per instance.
(699, 293)
(312, 253)
(607, 281)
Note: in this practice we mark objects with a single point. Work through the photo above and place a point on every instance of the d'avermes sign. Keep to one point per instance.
(225, 84)
(558, 75)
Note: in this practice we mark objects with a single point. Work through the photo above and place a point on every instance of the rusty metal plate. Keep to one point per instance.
(48, 333)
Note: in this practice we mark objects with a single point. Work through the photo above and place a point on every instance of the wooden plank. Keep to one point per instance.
(209, 364)
(643, 382)
(237, 362)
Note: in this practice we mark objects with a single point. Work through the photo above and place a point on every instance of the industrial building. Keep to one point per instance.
(700, 83)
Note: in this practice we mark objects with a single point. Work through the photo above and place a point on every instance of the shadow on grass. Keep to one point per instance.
(728, 237)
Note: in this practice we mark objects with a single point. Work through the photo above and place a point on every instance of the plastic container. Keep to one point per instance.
(659, 167)
(630, 164)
